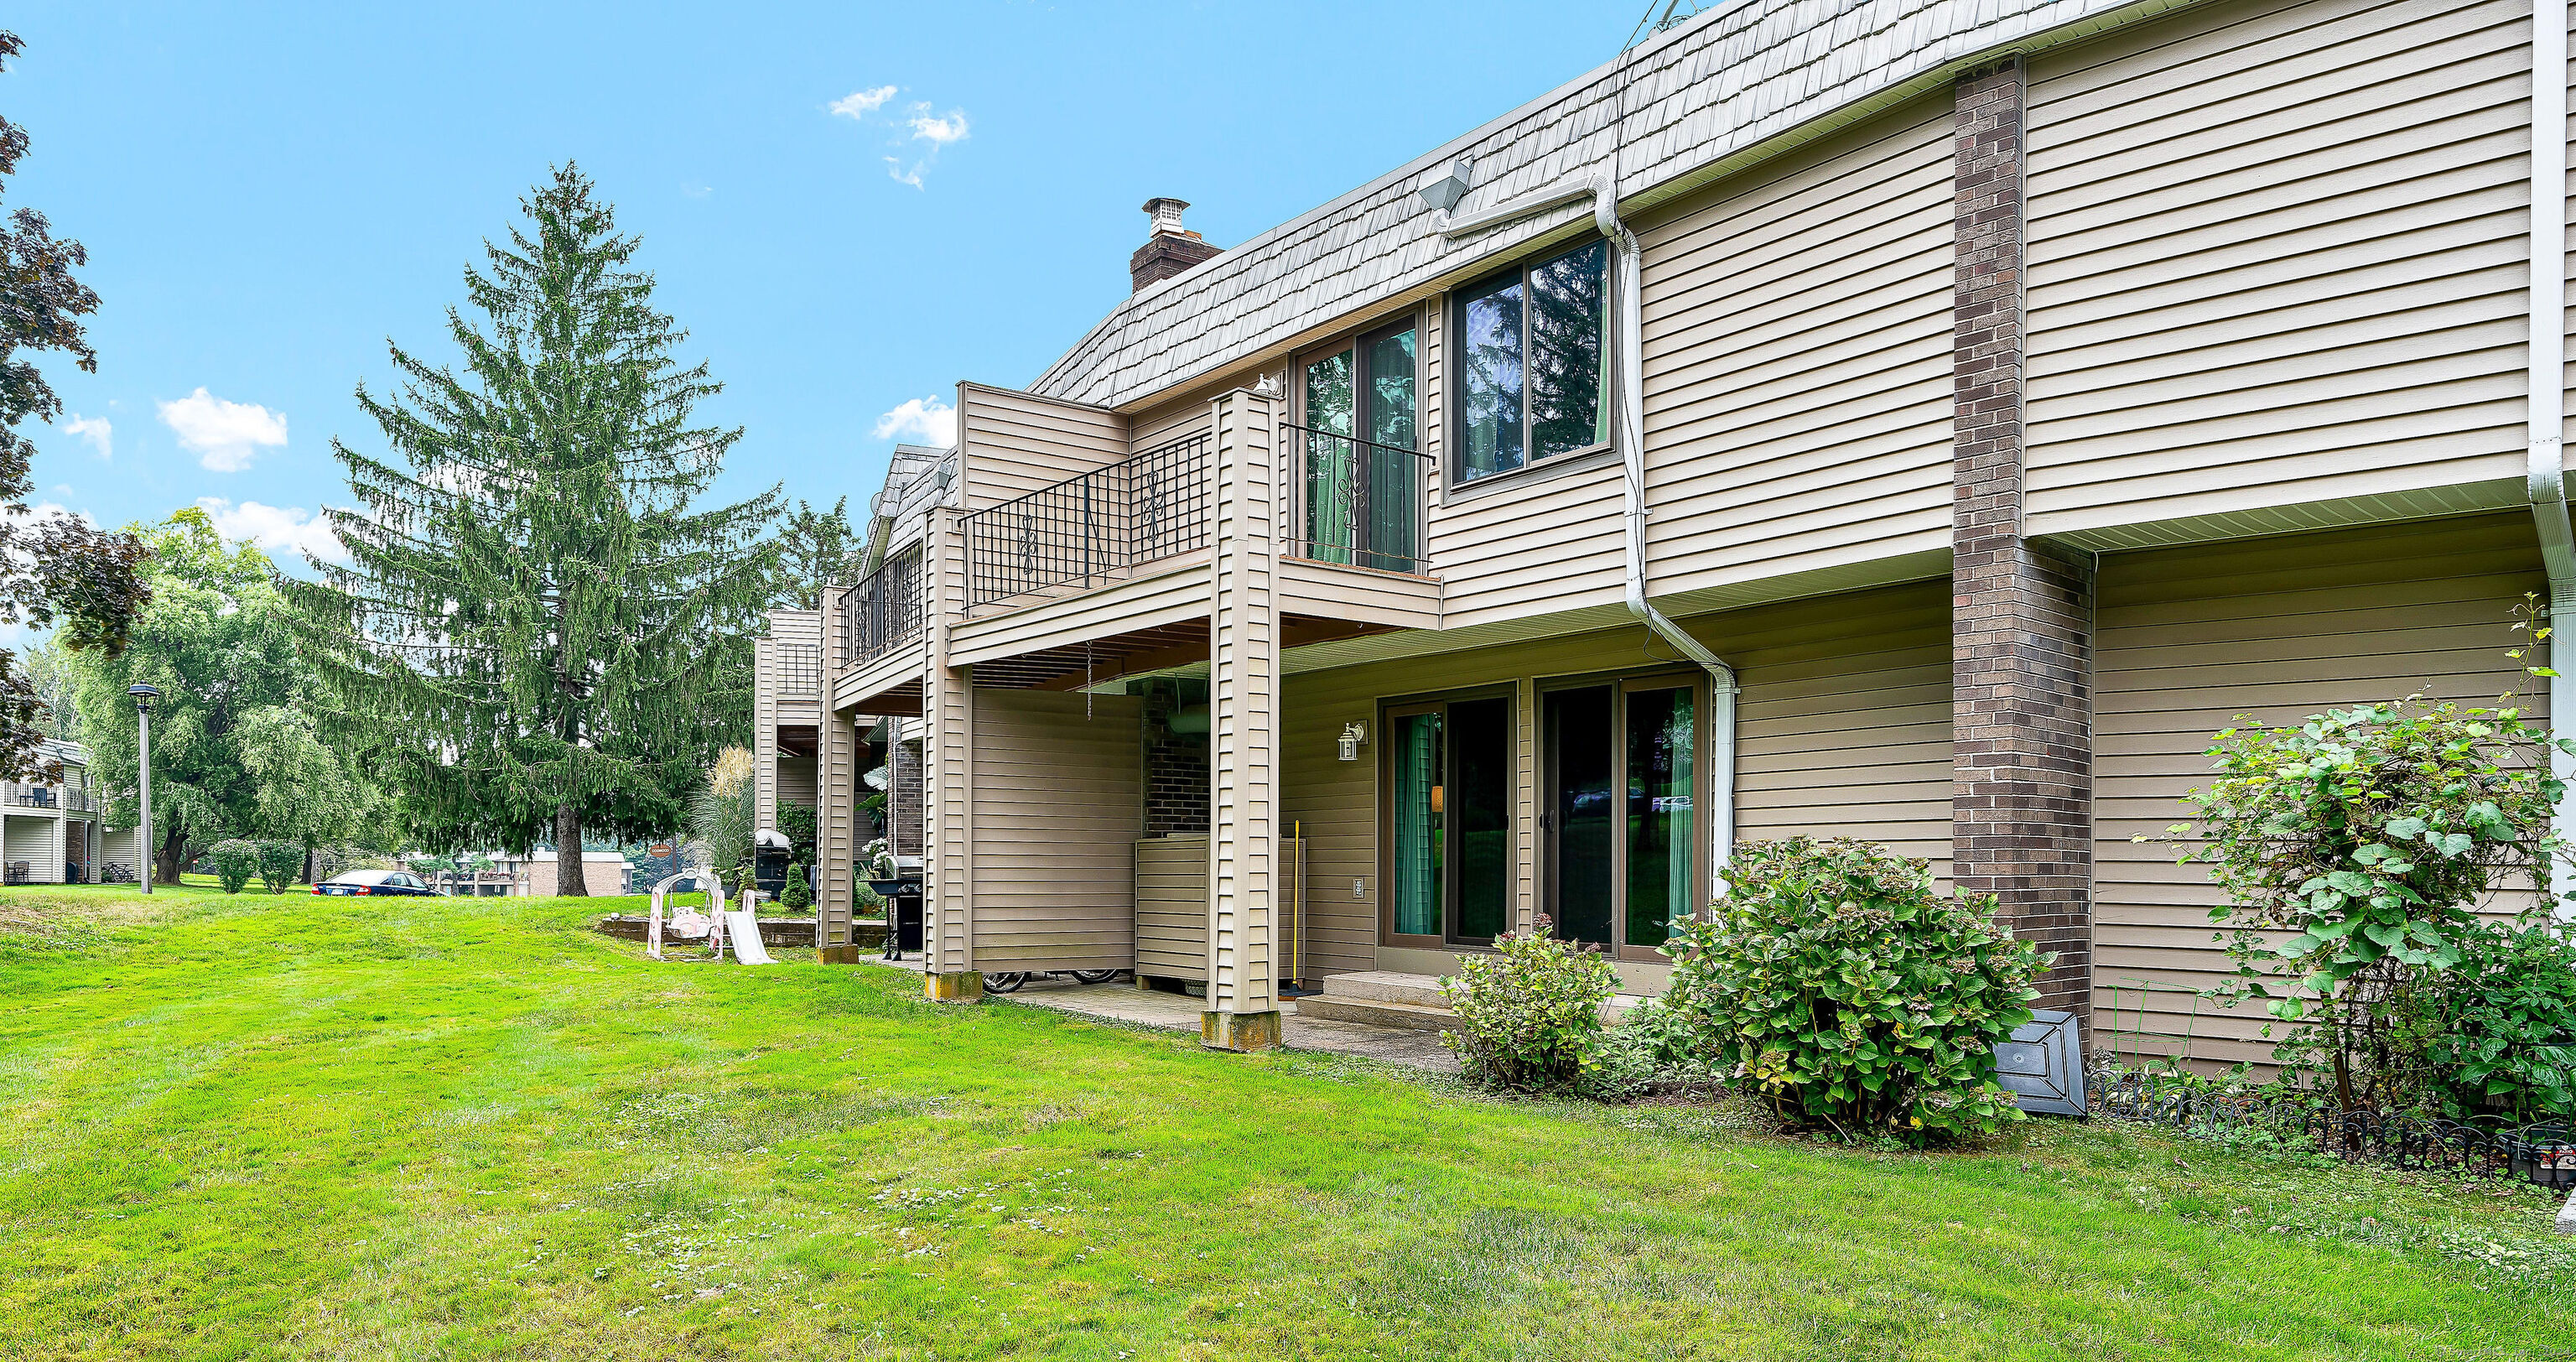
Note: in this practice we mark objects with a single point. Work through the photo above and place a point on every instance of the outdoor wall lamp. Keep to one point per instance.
(144, 695)
(1352, 736)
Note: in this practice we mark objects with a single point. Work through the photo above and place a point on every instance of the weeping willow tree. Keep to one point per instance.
(540, 629)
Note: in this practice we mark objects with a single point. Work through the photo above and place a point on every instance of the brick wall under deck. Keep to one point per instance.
(2021, 617)
(1176, 769)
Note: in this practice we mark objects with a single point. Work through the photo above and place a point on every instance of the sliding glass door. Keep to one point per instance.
(1619, 824)
(1447, 822)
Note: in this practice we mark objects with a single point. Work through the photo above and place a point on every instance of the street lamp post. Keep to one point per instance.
(144, 695)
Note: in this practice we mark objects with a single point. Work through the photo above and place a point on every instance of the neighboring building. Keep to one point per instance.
(602, 872)
(1951, 415)
(533, 875)
(787, 712)
(54, 832)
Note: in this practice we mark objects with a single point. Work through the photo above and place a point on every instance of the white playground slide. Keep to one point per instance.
(743, 933)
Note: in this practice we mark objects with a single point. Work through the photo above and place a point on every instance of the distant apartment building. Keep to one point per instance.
(56, 832)
(1925, 422)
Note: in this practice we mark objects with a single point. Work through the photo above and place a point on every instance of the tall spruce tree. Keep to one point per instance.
(540, 629)
(817, 549)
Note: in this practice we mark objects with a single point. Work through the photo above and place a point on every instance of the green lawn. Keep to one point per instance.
(434, 1128)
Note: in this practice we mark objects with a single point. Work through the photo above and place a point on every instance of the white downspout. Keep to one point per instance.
(1628, 362)
(2546, 467)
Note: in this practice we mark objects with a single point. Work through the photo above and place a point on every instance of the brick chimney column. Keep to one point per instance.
(2021, 791)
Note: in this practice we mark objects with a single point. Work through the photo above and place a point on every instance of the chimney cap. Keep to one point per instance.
(1166, 213)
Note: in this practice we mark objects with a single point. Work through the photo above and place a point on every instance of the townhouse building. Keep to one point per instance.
(55, 831)
(1922, 420)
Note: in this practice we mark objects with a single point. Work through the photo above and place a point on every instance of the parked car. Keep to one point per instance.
(374, 882)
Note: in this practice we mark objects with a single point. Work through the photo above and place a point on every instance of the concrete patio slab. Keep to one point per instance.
(1124, 1002)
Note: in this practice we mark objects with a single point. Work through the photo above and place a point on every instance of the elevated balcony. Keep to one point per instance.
(48, 798)
(882, 650)
(1107, 572)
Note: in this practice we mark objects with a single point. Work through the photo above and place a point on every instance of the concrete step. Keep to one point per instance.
(1386, 986)
(1375, 1012)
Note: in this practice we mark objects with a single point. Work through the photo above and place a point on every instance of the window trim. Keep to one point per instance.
(1389, 707)
(1453, 395)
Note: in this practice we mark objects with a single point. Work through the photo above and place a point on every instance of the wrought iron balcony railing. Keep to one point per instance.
(1349, 500)
(882, 611)
(1086, 529)
(800, 669)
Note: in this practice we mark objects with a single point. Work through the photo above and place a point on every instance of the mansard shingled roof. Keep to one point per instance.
(1674, 113)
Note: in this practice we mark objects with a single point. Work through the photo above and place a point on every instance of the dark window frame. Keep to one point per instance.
(1453, 833)
(1544, 798)
(1454, 369)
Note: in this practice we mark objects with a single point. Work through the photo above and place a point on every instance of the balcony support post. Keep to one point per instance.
(836, 799)
(1243, 701)
(947, 824)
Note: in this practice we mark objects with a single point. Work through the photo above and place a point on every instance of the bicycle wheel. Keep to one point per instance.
(1004, 983)
(1094, 976)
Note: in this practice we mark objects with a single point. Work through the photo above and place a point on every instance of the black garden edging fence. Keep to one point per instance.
(2543, 1153)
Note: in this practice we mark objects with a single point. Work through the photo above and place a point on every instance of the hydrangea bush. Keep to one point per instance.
(1832, 979)
(1529, 1015)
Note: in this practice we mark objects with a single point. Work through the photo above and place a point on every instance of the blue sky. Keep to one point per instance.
(851, 207)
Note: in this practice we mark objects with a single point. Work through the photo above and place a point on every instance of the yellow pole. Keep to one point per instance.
(1297, 907)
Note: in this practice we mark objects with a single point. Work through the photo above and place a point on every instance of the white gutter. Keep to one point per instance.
(2546, 467)
(1628, 269)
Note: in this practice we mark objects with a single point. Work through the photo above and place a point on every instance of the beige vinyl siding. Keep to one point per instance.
(2276, 257)
(1798, 360)
(1172, 907)
(1163, 592)
(1843, 727)
(1016, 443)
(118, 846)
(2275, 629)
(796, 780)
(1058, 801)
(1843, 720)
(1530, 544)
(38, 843)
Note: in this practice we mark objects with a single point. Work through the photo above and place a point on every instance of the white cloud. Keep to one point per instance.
(276, 529)
(224, 435)
(861, 103)
(96, 430)
(934, 422)
(938, 131)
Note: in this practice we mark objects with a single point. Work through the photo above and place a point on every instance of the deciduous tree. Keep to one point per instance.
(54, 569)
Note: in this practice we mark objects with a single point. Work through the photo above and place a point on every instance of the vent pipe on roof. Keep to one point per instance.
(1170, 249)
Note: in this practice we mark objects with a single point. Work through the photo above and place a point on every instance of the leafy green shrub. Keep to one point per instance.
(2500, 1026)
(796, 893)
(2355, 848)
(234, 862)
(279, 863)
(1529, 1015)
(1833, 977)
(796, 823)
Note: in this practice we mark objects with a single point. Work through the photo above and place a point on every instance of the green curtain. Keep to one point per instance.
(1418, 849)
(1330, 411)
